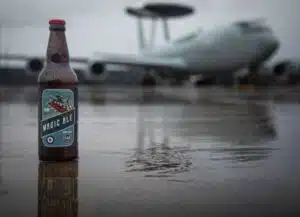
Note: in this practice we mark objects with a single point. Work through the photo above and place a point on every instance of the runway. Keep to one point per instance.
(177, 151)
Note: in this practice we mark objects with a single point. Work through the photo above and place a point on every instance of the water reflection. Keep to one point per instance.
(241, 130)
(227, 131)
(127, 95)
(3, 191)
(156, 156)
(7, 94)
(57, 189)
(97, 95)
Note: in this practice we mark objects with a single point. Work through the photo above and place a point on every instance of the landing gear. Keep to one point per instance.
(148, 80)
(226, 81)
(205, 82)
(251, 78)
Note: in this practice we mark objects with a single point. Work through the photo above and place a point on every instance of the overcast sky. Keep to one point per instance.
(98, 25)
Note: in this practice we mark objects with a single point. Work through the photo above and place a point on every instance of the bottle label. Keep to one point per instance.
(58, 117)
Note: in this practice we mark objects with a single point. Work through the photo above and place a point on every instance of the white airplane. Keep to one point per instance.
(218, 52)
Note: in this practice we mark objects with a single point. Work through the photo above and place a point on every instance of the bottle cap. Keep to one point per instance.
(57, 21)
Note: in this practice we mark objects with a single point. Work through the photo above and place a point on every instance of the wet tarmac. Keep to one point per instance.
(163, 151)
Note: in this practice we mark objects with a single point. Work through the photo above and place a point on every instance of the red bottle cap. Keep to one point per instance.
(57, 21)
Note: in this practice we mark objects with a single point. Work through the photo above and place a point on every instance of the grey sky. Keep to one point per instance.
(95, 25)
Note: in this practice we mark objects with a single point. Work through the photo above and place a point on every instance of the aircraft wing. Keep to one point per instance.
(115, 59)
(141, 61)
(26, 57)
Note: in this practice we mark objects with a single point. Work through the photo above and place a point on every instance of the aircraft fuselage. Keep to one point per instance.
(220, 50)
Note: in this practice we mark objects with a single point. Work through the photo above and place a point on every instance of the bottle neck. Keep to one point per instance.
(57, 50)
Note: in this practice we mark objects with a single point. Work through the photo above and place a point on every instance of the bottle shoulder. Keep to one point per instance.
(62, 72)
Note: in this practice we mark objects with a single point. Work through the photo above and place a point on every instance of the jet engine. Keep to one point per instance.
(288, 71)
(282, 68)
(98, 70)
(34, 66)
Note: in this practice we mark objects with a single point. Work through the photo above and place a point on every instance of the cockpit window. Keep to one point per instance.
(251, 27)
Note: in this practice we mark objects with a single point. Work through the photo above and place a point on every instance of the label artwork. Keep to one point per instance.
(58, 117)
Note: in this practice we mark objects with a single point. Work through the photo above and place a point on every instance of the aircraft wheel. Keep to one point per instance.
(148, 80)
(204, 82)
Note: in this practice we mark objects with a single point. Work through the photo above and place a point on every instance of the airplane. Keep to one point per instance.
(211, 53)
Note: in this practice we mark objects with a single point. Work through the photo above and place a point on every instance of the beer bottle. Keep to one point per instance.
(58, 189)
(58, 100)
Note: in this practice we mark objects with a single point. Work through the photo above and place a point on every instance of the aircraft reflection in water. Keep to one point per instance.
(157, 156)
(58, 189)
(237, 129)
(3, 191)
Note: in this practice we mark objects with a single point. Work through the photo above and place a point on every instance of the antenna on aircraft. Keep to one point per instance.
(155, 12)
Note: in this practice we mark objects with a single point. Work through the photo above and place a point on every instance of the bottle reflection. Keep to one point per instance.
(58, 189)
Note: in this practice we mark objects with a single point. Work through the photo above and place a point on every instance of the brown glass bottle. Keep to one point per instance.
(58, 189)
(58, 100)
